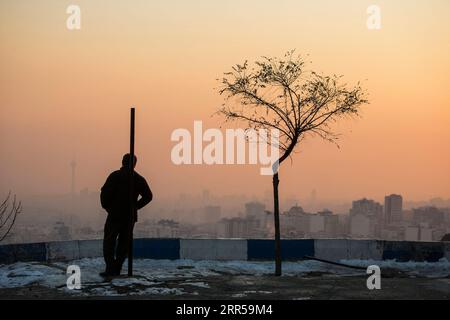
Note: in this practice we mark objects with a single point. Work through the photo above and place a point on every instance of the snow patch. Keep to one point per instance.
(197, 284)
(440, 268)
(156, 276)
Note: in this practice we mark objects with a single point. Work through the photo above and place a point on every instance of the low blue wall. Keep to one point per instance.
(234, 249)
(416, 251)
(156, 248)
(23, 252)
(290, 249)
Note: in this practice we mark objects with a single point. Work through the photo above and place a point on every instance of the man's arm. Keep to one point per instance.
(145, 193)
(107, 192)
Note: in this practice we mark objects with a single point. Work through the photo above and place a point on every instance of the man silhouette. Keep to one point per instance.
(115, 199)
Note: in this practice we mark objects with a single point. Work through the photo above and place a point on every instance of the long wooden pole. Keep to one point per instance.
(132, 199)
(276, 215)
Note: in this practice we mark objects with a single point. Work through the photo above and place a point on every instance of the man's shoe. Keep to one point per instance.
(110, 271)
(106, 274)
(117, 269)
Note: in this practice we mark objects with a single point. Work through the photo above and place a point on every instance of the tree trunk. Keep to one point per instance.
(276, 214)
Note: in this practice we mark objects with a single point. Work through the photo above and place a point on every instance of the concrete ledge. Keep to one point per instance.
(234, 249)
(290, 249)
(213, 249)
(365, 250)
(157, 248)
(348, 249)
(331, 249)
(90, 248)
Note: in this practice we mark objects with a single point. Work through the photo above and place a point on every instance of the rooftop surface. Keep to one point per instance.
(208, 279)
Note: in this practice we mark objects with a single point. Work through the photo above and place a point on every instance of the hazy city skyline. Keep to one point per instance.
(66, 95)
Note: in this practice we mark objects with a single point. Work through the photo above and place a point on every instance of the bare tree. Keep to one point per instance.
(281, 94)
(8, 215)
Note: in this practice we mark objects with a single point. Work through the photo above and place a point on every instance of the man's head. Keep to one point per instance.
(126, 161)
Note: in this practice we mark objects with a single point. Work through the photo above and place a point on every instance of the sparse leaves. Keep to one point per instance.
(282, 94)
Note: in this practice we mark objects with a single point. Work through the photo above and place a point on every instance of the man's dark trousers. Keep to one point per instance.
(115, 244)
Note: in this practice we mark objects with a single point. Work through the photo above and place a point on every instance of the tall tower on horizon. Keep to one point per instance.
(73, 165)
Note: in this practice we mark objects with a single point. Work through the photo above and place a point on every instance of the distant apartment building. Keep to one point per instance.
(427, 224)
(259, 219)
(211, 214)
(323, 224)
(392, 232)
(365, 218)
(433, 216)
(294, 222)
(367, 208)
(234, 228)
(419, 233)
(331, 223)
(361, 226)
(316, 224)
(256, 222)
(164, 228)
(393, 207)
(254, 209)
(446, 212)
(297, 223)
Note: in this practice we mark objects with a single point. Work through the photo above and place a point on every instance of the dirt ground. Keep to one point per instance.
(311, 286)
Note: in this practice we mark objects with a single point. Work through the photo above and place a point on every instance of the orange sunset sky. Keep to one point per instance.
(66, 94)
